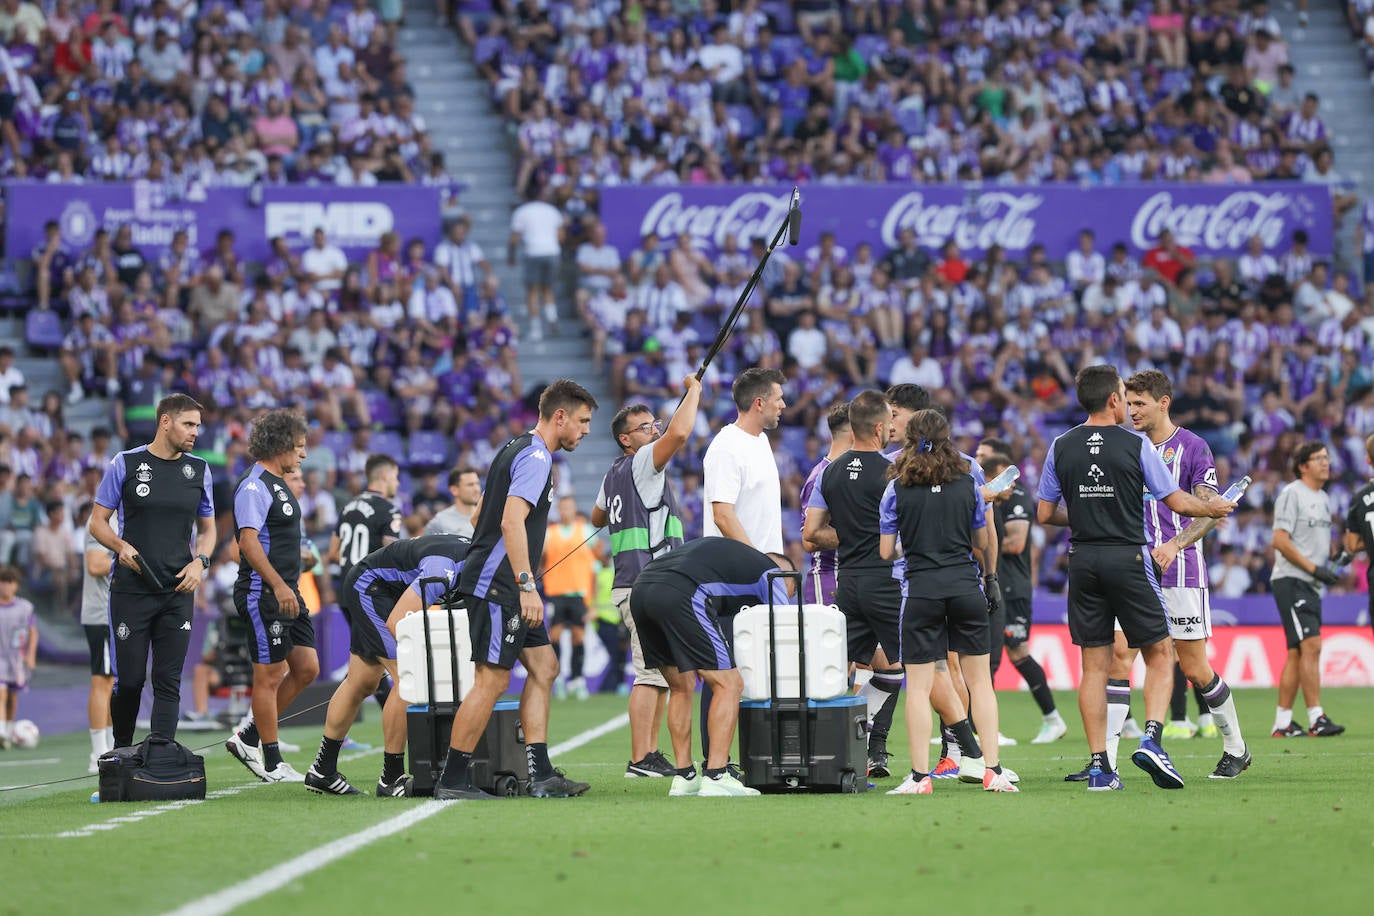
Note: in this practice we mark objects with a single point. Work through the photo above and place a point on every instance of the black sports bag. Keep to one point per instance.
(159, 769)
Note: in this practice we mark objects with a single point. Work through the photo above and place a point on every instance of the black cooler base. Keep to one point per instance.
(835, 760)
(498, 763)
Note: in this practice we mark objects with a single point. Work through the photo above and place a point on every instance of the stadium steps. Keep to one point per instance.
(1328, 62)
(479, 151)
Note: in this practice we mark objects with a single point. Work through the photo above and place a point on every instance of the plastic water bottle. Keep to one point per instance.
(95, 796)
(1236, 490)
(1003, 481)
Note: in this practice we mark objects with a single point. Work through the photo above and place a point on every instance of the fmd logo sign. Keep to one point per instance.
(345, 224)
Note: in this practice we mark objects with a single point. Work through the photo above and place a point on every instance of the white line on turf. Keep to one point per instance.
(281, 875)
(30, 763)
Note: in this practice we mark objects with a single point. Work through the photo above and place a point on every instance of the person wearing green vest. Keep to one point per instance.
(610, 629)
(638, 506)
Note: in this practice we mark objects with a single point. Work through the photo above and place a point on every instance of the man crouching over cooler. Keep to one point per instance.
(679, 602)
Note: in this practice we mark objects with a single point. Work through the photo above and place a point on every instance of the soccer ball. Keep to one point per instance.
(24, 733)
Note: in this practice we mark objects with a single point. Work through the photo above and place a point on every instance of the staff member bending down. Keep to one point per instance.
(938, 510)
(378, 591)
(267, 594)
(681, 601)
(163, 496)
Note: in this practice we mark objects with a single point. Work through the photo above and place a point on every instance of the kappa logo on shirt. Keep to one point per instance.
(1095, 444)
(144, 473)
(1369, 498)
(251, 485)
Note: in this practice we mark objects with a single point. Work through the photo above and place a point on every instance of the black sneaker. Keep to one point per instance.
(1325, 728)
(1294, 730)
(398, 788)
(557, 786)
(1231, 767)
(328, 783)
(463, 793)
(1080, 776)
(654, 764)
(877, 764)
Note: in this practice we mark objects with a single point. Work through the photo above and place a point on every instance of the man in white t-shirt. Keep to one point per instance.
(538, 227)
(740, 485)
(324, 263)
(638, 505)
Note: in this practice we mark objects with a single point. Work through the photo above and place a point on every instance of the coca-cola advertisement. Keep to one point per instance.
(1209, 219)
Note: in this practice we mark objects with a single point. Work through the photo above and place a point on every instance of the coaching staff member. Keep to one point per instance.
(267, 593)
(1099, 471)
(505, 612)
(683, 601)
(163, 497)
(639, 506)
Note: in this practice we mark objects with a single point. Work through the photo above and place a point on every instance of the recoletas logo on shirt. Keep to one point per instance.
(1097, 488)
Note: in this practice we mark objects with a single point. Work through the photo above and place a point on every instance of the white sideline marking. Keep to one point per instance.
(29, 763)
(281, 875)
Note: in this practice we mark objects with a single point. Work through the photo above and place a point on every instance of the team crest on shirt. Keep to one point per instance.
(513, 623)
(123, 631)
(187, 471)
(144, 473)
(1169, 455)
(143, 489)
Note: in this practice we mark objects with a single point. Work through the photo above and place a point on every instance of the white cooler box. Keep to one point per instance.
(412, 665)
(827, 652)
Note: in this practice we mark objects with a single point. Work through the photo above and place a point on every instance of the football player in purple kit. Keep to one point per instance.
(818, 585)
(1176, 545)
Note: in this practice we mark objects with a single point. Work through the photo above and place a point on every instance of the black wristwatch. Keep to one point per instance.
(525, 582)
(204, 560)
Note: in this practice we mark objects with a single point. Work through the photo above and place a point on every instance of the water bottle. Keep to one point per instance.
(1003, 481)
(1236, 490)
(1342, 562)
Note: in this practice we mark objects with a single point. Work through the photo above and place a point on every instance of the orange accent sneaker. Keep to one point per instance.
(910, 786)
(947, 768)
(997, 782)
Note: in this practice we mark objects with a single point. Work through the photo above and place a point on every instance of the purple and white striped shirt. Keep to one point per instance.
(1189, 461)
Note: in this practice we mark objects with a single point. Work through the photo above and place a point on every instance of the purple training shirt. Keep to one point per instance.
(1189, 461)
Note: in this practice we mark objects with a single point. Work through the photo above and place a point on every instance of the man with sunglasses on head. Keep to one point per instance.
(637, 505)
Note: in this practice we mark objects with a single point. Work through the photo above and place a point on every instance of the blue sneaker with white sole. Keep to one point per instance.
(1151, 758)
(1099, 781)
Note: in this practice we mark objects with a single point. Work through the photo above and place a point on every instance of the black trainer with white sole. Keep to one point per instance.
(1325, 728)
(1230, 766)
(654, 764)
(557, 786)
(328, 783)
(399, 788)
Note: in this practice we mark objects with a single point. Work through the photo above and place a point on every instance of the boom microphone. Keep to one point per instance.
(794, 218)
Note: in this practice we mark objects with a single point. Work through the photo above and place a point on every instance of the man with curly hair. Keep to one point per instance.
(267, 518)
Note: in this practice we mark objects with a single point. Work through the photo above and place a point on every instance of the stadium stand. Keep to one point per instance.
(415, 352)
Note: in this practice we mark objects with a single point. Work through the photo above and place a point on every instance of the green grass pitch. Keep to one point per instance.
(1296, 831)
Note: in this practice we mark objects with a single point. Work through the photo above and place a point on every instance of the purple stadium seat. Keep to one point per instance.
(387, 442)
(383, 409)
(428, 449)
(780, 13)
(337, 442)
(794, 440)
(43, 329)
(887, 358)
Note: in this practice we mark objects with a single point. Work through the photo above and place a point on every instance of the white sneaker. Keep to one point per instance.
(94, 768)
(247, 754)
(283, 773)
(287, 747)
(682, 786)
(998, 782)
(579, 688)
(551, 316)
(75, 395)
(1131, 729)
(910, 786)
(1011, 775)
(1051, 730)
(725, 786)
(536, 330)
(1004, 741)
(971, 769)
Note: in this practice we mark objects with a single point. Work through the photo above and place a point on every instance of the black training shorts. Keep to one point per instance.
(678, 629)
(1110, 583)
(499, 633)
(934, 627)
(872, 608)
(1300, 609)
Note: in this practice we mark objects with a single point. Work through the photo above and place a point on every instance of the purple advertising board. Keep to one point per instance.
(1209, 219)
(353, 218)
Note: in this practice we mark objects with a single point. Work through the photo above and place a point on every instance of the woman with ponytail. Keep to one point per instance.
(933, 505)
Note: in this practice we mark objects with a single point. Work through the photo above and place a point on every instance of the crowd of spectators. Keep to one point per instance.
(199, 95)
(1098, 92)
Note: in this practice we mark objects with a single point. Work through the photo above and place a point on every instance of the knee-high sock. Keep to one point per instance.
(882, 693)
(1118, 705)
(579, 653)
(963, 735)
(1178, 700)
(1035, 679)
(1202, 707)
(1223, 707)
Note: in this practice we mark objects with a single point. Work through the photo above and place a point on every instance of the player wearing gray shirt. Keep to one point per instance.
(95, 620)
(465, 485)
(1302, 546)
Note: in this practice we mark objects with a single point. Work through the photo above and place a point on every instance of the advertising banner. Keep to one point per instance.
(352, 218)
(1209, 219)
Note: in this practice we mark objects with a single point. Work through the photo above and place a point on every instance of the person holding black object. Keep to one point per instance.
(164, 499)
(1099, 470)
(936, 508)
(267, 594)
(842, 515)
(505, 612)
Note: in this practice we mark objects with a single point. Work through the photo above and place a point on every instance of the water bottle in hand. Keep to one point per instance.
(1003, 481)
(1236, 490)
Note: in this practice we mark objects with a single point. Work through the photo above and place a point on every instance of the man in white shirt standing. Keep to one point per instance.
(324, 263)
(537, 226)
(741, 488)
